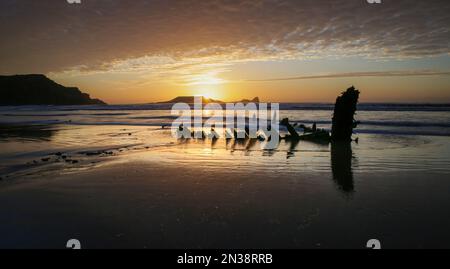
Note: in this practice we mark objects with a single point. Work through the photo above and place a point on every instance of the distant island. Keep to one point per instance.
(20, 90)
(190, 100)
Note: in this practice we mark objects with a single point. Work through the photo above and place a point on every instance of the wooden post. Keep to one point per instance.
(343, 118)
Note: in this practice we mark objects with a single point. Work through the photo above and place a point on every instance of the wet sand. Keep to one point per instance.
(137, 187)
(135, 202)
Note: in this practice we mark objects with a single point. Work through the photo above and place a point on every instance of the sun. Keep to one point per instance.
(210, 93)
(205, 79)
(206, 95)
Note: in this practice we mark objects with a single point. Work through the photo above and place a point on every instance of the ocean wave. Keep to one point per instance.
(140, 120)
(383, 123)
(370, 107)
(64, 115)
(390, 128)
(283, 106)
(405, 132)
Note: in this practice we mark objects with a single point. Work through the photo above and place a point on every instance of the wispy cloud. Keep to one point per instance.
(361, 74)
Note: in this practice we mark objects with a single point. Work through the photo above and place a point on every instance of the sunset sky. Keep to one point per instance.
(140, 51)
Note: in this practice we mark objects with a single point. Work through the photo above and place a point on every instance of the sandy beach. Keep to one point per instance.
(202, 195)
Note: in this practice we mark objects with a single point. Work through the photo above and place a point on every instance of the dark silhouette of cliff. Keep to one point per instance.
(343, 118)
(40, 90)
(190, 100)
(254, 100)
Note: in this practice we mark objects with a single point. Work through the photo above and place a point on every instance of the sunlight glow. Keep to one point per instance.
(208, 93)
(205, 79)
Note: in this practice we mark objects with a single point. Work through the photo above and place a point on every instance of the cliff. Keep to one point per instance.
(190, 100)
(39, 90)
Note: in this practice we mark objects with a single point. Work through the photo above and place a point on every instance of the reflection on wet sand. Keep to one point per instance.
(340, 154)
(341, 163)
(292, 148)
(341, 166)
(27, 132)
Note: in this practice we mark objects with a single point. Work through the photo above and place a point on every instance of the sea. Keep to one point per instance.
(391, 136)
